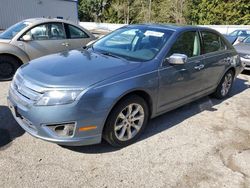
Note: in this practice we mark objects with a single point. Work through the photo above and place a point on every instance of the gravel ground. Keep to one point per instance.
(202, 144)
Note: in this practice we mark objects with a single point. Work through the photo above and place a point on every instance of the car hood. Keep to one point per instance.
(5, 41)
(76, 68)
(242, 48)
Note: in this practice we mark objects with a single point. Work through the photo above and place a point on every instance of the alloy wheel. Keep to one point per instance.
(129, 122)
(226, 85)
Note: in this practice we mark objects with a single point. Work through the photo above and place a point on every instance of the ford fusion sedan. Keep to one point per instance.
(114, 87)
(33, 38)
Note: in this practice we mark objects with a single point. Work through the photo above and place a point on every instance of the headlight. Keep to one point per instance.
(57, 97)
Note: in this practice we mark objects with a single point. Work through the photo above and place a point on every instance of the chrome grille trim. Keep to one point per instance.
(23, 92)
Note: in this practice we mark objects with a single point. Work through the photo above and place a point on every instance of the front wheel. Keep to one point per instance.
(126, 122)
(8, 67)
(225, 85)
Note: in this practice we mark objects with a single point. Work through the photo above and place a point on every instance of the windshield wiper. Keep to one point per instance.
(113, 55)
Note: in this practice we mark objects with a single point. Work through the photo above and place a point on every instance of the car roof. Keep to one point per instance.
(169, 26)
(43, 20)
(241, 30)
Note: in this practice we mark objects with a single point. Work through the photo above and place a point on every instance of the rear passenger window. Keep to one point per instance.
(76, 33)
(212, 42)
(188, 43)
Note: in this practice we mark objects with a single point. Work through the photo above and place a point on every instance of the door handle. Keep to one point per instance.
(65, 44)
(199, 67)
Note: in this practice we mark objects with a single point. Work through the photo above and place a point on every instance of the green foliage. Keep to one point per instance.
(166, 11)
(218, 12)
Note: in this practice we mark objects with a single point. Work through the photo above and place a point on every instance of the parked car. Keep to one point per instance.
(243, 49)
(113, 88)
(237, 35)
(33, 38)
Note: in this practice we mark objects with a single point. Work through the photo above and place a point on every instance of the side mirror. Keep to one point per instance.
(26, 38)
(177, 59)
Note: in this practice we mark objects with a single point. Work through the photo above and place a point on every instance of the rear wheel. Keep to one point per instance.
(225, 85)
(126, 122)
(8, 67)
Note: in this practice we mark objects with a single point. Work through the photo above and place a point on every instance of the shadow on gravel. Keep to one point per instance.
(169, 119)
(9, 129)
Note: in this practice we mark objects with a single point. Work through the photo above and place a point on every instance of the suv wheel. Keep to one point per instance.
(126, 121)
(8, 67)
(225, 85)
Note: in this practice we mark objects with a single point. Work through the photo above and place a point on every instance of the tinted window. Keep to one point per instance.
(212, 42)
(188, 43)
(13, 30)
(137, 43)
(75, 33)
(53, 31)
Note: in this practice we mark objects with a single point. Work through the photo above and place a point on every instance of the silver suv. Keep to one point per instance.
(33, 38)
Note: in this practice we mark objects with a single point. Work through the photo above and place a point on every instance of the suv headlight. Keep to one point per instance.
(58, 97)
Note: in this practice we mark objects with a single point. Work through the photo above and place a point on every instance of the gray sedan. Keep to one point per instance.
(243, 49)
(113, 88)
(33, 38)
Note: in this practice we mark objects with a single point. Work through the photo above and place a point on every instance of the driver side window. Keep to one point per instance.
(51, 31)
(188, 43)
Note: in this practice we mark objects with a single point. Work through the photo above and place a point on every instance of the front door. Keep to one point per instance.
(181, 83)
(47, 39)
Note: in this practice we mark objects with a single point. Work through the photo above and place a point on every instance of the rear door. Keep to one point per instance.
(216, 58)
(76, 37)
(181, 83)
(47, 39)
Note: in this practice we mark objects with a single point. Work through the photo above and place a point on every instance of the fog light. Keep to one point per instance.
(63, 130)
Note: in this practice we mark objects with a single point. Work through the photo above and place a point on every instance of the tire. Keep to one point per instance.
(225, 86)
(8, 67)
(116, 131)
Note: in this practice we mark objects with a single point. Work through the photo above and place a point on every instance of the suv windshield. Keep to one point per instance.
(138, 44)
(13, 30)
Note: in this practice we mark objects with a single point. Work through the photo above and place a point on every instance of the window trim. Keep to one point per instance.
(45, 23)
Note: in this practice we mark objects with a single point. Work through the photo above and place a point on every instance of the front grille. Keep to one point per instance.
(22, 92)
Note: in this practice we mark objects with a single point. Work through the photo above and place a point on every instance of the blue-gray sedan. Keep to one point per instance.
(113, 88)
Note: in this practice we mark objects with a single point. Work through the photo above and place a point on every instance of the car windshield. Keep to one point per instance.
(247, 40)
(234, 33)
(137, 44)
(13, 30)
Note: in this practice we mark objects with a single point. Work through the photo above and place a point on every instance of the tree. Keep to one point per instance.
(218, 12)
(166, 11)
(93, 10)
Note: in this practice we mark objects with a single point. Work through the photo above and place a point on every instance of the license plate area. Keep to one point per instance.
(20, 118)
(14, 110)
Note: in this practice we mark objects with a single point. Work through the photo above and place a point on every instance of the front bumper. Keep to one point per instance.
(246, 63)
(35, 121)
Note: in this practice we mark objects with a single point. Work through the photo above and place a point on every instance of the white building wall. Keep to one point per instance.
(13, 11)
